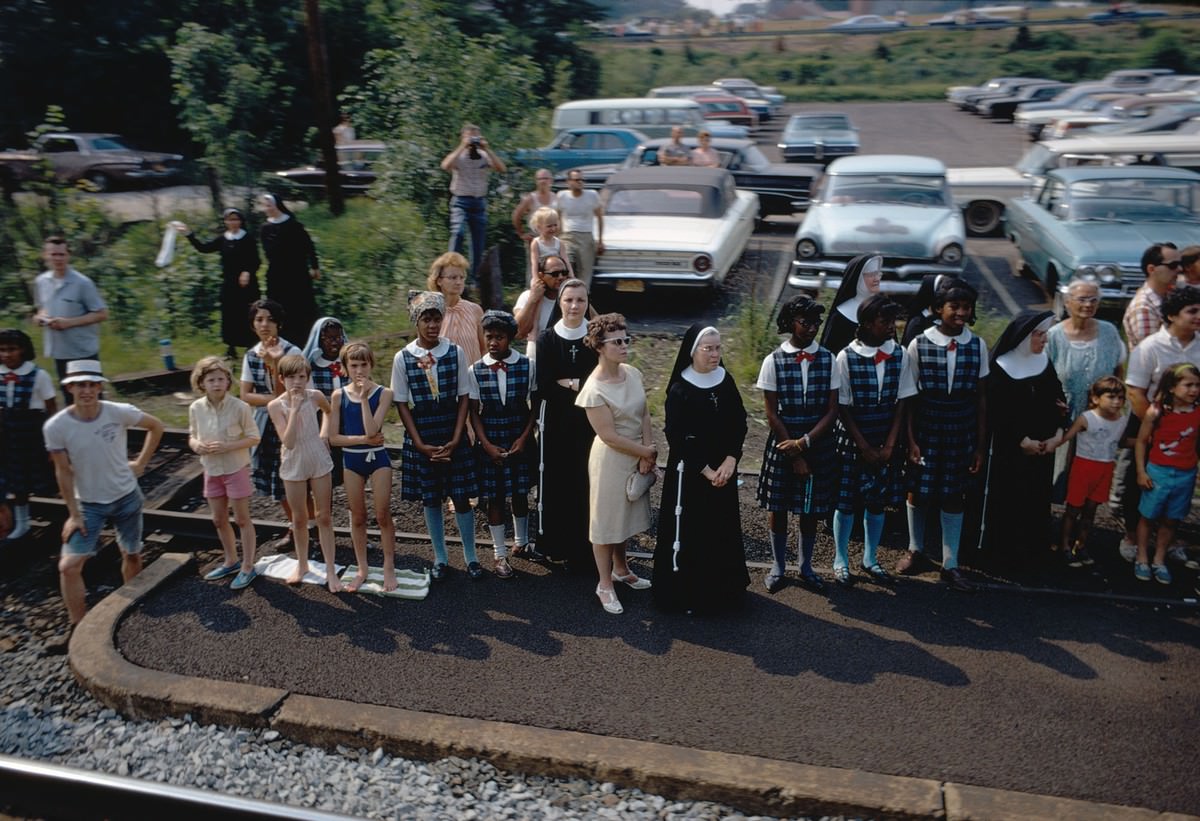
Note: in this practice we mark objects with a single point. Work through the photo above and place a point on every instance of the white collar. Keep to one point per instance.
(934, 334)
(511, 359)
(279, 219)
(788, 347)
(238, 234)
(888, 347)
(704, 380)
(21, 370)
(321, 362)
(438, 350)
(570, 333)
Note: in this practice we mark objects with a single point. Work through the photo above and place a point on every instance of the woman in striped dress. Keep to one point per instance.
(800, 390)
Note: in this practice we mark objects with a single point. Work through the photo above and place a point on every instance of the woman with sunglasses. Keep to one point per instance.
(699, 562)
(615, 402)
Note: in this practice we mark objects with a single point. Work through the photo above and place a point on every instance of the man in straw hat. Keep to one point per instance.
(98, 483)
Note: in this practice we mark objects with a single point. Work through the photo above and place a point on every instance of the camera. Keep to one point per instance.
(476, 140)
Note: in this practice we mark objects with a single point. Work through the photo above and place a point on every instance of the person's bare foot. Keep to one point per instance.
(357, 582)
(298, 575)
(389, 581)
(334, 585)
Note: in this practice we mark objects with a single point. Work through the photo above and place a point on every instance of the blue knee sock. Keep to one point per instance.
(807, 543)
(951, 536)
(466, 529)
(873, 527)
(916, 526)
(843, 523)
(437, 533)
(779, 550)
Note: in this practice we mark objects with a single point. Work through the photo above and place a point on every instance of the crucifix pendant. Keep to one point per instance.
(713, 397)
(573, 351)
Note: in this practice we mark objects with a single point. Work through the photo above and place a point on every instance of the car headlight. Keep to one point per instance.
(702, 264)
(1087, 273)
(806, 249)
(1108, 274)
(952, 254)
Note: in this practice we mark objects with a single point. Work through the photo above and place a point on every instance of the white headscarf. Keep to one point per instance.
(1021, 362)
(849, 308)
(704, 380)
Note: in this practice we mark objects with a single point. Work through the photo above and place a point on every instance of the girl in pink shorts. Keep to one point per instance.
(222, 431)
(1097, 434)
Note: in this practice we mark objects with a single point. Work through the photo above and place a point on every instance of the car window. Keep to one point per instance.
(1133, 200)
(896, 189)
(607, 142)
(58, 146)
(679, 202)
(1052, 195)
(754, 159)
(108, 144)
(567, 140)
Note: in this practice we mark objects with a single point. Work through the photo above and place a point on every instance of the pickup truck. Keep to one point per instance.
(94, 161)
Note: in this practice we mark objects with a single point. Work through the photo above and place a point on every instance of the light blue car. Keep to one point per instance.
(1093, 223)
(588, 145)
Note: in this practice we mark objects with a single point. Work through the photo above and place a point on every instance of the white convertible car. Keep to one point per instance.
(672, 227)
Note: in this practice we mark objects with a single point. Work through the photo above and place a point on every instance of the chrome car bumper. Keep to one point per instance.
(897, 279)
(622, 280)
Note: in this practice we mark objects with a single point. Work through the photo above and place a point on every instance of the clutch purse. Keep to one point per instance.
(638, 484)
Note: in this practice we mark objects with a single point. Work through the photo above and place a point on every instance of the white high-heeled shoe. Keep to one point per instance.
(633, 580)
(609, 600)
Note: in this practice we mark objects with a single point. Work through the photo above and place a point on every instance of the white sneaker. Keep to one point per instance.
(1128, 550)
(1178, 554)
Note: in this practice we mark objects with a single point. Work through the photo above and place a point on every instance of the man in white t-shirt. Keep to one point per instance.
(582, 218)
(98, 483)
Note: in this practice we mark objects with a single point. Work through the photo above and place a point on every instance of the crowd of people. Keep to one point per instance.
(859, 421)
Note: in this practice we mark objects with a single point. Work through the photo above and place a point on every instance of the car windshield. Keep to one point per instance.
(898, 189)
(1133, 200)
(667, 202)
(818, 124)
(754, 160)
(109, 144)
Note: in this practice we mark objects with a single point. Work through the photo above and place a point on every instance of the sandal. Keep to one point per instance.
(842, 576)
(609, 601)
(633, 580)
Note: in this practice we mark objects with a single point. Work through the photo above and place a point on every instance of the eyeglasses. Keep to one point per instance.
(559, 273)
(1086, 300)
(620, 341)
(1174, 264)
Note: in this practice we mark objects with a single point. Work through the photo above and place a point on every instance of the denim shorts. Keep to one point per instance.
(1171, 497)
(125, 514)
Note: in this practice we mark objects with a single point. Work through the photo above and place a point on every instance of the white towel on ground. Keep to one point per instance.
(281, 566)
(410, 584)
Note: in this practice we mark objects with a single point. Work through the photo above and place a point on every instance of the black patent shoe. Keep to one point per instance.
(529, 553)
(812, 581)
(475, 571)
(439, 572)
(876, 574)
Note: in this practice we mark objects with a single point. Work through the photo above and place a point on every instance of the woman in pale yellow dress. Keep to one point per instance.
(615, 401)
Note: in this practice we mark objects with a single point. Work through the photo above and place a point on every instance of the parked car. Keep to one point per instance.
(1169, 119)
(1004, 107)
(866, 24)
(1035, 123)
(356, 161)
(672, 228)
(970, 19)
(764, 103)
(95, 161)
(781, 188)
(895, 205)
(1120, 110)
(818, 136)
(582, 146)
(727, 108)
(955, 94)
(1094, 222)
(1123, 14)
(971, 99)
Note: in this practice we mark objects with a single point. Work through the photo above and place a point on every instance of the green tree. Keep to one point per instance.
(231, 97)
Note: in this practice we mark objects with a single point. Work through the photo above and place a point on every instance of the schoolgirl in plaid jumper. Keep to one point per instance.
(800, 389)
(431, 384)
(502, 382)
(26, 402)
(322, 350)
(947, 425)
(877, 380)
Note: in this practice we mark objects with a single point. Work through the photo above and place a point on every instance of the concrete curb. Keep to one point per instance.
(751, 784)
(140, 693)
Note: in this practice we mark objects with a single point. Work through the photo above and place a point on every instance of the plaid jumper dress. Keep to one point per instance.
(266, 456)
(945, 424)
(860, 484)
(427, 481)
(778, 488)
(27, 466)
(503, 422)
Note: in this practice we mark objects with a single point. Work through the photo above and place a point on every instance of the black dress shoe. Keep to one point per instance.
(529, 553)
(475, 571)
(811, 580)
(876, 574)
(439, 572)
(773, 583)
(957, 580)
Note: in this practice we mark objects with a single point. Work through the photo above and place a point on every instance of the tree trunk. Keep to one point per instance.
(323, 105)
(490, 288)
(214, 189)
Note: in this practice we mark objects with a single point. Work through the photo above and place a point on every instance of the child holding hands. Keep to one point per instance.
(222, 431)
(1165, 453)
(305, 463)
(1097, 434)
(356, 426)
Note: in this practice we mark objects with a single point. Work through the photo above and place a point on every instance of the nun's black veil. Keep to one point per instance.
(683, 359)
(846, 291)
(1022, 326)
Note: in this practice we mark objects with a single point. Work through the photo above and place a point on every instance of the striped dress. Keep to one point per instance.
(427, 481)
(779, 489)
(265, 457)
(503, 422)
(945, 423)
(860, 484)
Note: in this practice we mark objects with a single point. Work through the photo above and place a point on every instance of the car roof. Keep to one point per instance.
(886, 164)
(1081, 173)
(1122, 143)
(362, 145)
(668, 177)
(624, 102)
(719, 143)
(716, 98)
(85, 134)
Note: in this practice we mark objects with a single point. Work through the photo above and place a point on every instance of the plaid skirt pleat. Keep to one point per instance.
(26, 466)
(858, 483)
(781, 490)
(267, 457)
(946, 429)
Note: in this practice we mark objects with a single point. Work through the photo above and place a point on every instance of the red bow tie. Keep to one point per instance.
(499, 366)
(11, 377)
(804, 356)
(953, 346)
(336, 369)
(880, 356)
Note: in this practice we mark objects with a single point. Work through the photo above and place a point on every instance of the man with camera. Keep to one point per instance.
(469, 165)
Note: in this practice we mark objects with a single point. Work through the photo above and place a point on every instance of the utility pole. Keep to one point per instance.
(318, 65)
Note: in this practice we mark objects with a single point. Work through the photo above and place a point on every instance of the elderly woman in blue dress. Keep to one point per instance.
(1082, 349)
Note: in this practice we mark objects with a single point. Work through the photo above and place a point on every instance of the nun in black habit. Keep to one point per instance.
(699, 562)
(860, 280)
(239, 276)
(1027, 410)
(292, 265)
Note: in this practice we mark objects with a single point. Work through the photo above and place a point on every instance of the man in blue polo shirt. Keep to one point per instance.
(69, 309)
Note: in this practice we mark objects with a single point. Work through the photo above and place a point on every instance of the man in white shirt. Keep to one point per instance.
(98, 483)
(535, 307)
(582, 218)
(69, 309)
(469, 164)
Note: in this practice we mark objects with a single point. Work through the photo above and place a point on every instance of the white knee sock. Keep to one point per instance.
(498, 538)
